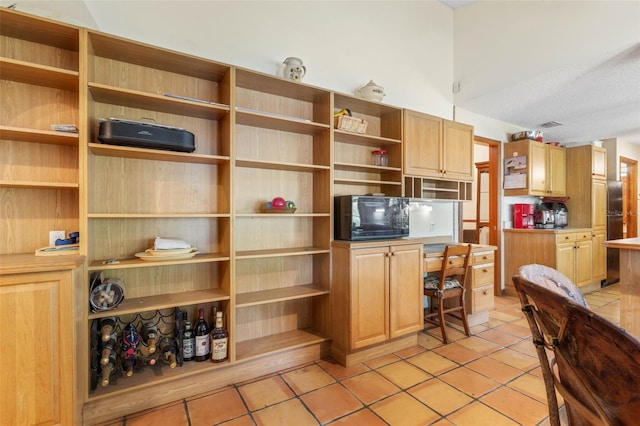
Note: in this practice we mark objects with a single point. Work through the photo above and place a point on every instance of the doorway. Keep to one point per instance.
(483, 226)
(629, 179)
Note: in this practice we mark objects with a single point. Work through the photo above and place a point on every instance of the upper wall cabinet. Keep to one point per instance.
(39, 82)
(354, 172)
(534, 168)
(437, 148)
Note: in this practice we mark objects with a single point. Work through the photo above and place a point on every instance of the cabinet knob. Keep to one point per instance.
(484, 292)
(485, 270)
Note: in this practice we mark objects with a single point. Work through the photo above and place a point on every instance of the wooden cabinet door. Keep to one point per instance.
(583, 263)
(457, 149)
(37, 350)
(405, 290)
(556, 171)
(565, 260)
(369, 296)
(599, 163)
(599, 270)
(537, 165)
(599, 204)
(422, 144)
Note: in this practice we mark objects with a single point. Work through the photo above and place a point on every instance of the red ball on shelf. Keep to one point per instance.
(278, 203)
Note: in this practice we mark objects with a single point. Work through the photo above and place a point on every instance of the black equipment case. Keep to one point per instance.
(145, 135)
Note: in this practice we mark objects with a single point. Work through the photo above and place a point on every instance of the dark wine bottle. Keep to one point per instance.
(129, 345)
(108, 368)
(202, 338)
(150, 335)
(107, 349)
(188, 342)
(219, 340)
(168, 350)
(107, 326)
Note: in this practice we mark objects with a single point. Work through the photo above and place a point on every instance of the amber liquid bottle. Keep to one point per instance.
(219, 340)
(202, 348)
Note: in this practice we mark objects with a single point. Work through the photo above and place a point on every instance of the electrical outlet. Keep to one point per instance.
(54, 235)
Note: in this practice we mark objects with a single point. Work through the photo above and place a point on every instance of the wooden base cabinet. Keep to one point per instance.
(376, 294)
(39, 377)
(568, 251)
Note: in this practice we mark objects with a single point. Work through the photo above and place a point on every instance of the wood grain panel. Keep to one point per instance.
(37, 385)
(37, 107)
(25, 224)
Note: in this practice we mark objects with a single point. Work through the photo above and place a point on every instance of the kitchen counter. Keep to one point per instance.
(629, 283)
(548, 230)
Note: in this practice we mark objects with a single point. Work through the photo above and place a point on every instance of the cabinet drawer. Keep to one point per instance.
(583, 236)
(482, 299)
(435, 263)
(479, 258)
(565, 238)
(482, 275)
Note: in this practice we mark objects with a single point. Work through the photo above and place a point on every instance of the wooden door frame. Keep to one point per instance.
(495, 206)
(630, 193)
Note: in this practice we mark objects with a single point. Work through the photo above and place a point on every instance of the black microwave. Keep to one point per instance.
(365, 217)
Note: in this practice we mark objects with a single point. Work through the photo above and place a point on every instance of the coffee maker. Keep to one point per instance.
(551, 215)
(560, 215)
(523, 216)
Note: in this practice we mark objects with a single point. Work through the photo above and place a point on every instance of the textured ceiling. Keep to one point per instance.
(594, 101)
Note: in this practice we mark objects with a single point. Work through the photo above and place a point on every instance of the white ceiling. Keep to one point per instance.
(596, 95)
(533, 62)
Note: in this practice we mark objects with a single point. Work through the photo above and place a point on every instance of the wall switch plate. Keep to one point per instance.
(54, 235)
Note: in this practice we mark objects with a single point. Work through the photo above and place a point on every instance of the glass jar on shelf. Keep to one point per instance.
(379, 157)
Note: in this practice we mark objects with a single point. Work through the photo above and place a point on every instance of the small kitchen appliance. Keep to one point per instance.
(523, 216)
(560, 215)
(543, 216)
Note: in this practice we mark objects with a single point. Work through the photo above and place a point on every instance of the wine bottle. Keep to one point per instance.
(150, 335)
(202, 338)
(128, 364)
(219, 340)
(188, 342)
(168, 350)
(107, 349)
(108, 368)
(106, 328)
(129, 346)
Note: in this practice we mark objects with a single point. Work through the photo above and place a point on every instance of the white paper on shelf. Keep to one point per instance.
(169, 244)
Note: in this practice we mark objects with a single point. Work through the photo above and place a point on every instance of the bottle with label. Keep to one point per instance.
(219, 340)
(168, 350)
(202, 338)
(129, 346)
(107, 369)
(150, 335)
(107, 325)
(188, 342)
(108, 348)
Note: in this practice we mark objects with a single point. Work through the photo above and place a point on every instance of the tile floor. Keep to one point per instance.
(490, 378)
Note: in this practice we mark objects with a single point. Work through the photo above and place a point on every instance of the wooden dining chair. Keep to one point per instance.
(595, 365)
(448, 285)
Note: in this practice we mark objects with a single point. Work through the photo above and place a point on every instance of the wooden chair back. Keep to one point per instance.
(596, 366)
(455, 263)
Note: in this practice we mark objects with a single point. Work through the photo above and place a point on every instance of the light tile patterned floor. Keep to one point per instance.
(490, 378)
